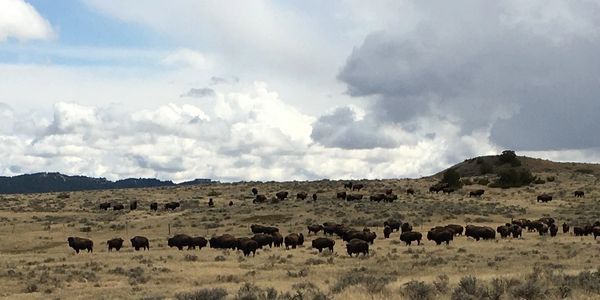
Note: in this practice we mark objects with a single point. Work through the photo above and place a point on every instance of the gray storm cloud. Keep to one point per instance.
(527, 71)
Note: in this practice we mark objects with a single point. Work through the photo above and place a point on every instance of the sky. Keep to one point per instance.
(293, 90)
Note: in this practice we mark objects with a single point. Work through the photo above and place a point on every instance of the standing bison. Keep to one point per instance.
(293, 240)
(476, 193)
(439, 236)
(180, 241)
(138, 242)
(225, 241)
(154, 206)
(314, 197)
(263, 240)
(172, 205)
(357, 187)
(116, 243)
(248, 246)
(105, 205)
(406, 227)
(301, 195)
(357, 246)
(410, 192)
(322, 243)
(259, 199)
(386, 232)
(579, 194)
(314, 228)
(133, 205)
(78, 243)
(118, 207)
(277, 239)
(341, 195)
(254, 191)
(411, 236)
(544, 198)
(393, 224)
(480, 232)
(281, 195)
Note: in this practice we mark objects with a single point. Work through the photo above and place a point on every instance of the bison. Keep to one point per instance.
(440, 236)
(516, 231)
(553, 229)
(579, 194)
(254, 191)
(154, 206)
(357, 246)
(348, 185)
(476, 193)
(138, 242)
(341, 195)
(386, 232)
(410, 192)
(314, 197)
(263, 240)
(390, 198)
(353, 197)
(116, 243)
(544, 198)
(281, 195)
(211, 203)
(406, 227)
(133, 205)
(225, 241)
(259, 199)
(180, 241)
(565, 228)
(78, 243)
(248, 246)
(263, 229)
(480, 232)
(504, 230)
(314, 228)
(411, 236)
(172, 205)
(457, 229)
(277, 239)
(596, 231)
(322, 243)
(118, 207)
(301, 195)
(293, 240)
(377, 197)
(357, 187)
(393, 224)
(105, 205)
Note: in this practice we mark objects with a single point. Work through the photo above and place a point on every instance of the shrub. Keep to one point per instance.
(468, 288)
(550, 178)
(513, 178)
(190, 257)
(509, 157)
(452, 178)
(441, 284)
(372, 283)
(418, 290)
(485, 168)
(203, 294)
(539, 181)
(249, 291)
(483, 181)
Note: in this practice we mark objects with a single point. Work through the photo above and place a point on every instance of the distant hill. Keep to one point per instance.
(492, 164)
(56, 182)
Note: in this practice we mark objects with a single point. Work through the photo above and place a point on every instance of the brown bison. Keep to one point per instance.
(254, 191)
(553, 229)
(440, 236)
(281, 195)
(366, 236)
(353, 197)
(118, 207)
(516, 231)
(322, 243)
(341, 195)
(377, 197)
(357, 246)
(211, 202)
(410, 191)
(386, 232)
(393, 224)
(293, 240)
(542, 229)
(457, 229)
(133, 205)
(225, 241)
(476, 193)
(154, 206)
(301, 195)
(116, 243)
(480, 232)
(314, 197)
(180, 241)
(104, 206)
(411, 236)
(504, 230)
(78, 243)
(314, 228)
(230, 203)
(390, 198)
(596, 231)
(248, 246)
(277, 239)
(406, 227)
(263, 240)
(579, 194)
(565, 227)
(263, 229)
(259, 199)
(348, 185)
(357, 187)
(448, 190)
(172, 205)
(544, 198)
(138, 242)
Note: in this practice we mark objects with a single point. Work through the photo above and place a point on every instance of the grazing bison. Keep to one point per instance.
(230, 203)
(437, 187)
(225, 241)
(281, 195)
(353, 197)
(579, 194)
(248, 246)
(448, 190)
(504, 230)
(387, 230)
(314, 228)
(322, 243)
(105, 205)
(480, 232)
(301, 195)
(133, 205)
(263, 240)
(260, 199)
(516, 231)
(357, 246)
(254, 191)
(565, 227)
(377, 197)
(440, 236)
(348, 185)
(199, 242)
(341, 195)
(542, 229)
(553, 229)
(410, 191)
(388, 191)
(406, 227)
(314, 197)
(116, 243)
(172, 205)
(138, 242)
(263, 229)
(411, 236)
(390, 198)
(457, 229)
(293, 240)
(154, 206)
(118, 207)
(476, 193)
(78, 243)
(277, 239)
(393, 224)
(544, 198)
(211, 203)
(180, 241)
(357, 187)
(596, 231)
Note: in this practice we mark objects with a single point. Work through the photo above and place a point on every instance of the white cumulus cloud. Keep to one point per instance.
(20, 20)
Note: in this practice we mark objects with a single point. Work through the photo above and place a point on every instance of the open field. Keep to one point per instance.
(37, 262)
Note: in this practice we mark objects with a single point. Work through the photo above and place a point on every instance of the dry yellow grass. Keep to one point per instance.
(37, 262)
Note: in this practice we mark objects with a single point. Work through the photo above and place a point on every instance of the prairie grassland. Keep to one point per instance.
(37, 262)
